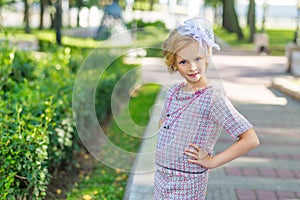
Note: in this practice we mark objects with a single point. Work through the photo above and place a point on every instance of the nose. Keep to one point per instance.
(193, 66)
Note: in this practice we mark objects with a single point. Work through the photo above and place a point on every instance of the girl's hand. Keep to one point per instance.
(247, 141)
(199, 156)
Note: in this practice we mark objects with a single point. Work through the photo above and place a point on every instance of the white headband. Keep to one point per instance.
(200, 30)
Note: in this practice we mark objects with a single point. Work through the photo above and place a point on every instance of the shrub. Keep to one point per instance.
(37, 134)
(36, 130)
(24, 142)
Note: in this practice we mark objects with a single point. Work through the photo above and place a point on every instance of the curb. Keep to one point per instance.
(140, 182)
(287, 86)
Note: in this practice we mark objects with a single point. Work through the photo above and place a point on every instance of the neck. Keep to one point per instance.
(192, 87)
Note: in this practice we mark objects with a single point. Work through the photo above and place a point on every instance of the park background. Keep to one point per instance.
(280, 14)
(42, 155)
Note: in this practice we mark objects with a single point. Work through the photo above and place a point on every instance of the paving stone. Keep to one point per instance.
(286, 195)
(282, 173)
(233, 171)
(250, 172)
(266, 195)
(268, 173)
(245, 194)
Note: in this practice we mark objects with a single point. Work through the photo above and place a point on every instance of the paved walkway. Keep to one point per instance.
(270, 172)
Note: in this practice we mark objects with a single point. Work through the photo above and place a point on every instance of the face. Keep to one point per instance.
(191, 63)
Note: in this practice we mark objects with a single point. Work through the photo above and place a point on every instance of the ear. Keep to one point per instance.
(174, 68)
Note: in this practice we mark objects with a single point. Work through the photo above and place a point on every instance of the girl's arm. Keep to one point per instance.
(247, 141)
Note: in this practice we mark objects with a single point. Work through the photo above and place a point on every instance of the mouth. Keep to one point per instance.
(193, 75)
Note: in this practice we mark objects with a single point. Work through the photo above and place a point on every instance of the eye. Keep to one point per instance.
(182, 62)
(198, 59)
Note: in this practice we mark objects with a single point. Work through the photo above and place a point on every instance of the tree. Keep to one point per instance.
(215, 4)
(26, 16)
(229, 17)
(263, 20)
(1, 3)
(58, 21)
(151, 4)
(42, 11)
(230, 20)
(251, 19)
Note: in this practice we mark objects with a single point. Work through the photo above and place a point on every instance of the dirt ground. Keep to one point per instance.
(64, 180)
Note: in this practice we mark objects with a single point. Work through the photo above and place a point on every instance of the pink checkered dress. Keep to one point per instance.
(191, 118)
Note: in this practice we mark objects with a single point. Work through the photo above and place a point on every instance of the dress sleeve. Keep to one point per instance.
(224, 114)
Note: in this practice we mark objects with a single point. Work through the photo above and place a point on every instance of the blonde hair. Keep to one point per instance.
(174, 43)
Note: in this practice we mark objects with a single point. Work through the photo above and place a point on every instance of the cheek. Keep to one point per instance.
(181, 70)
(202, 67)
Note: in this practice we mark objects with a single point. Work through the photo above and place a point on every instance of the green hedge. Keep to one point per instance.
(36, 123)
(37, 132)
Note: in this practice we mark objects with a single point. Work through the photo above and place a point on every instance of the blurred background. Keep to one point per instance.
(73, 14)
(279, 14)
(45, 43)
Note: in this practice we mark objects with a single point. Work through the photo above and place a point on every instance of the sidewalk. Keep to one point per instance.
(270, 172)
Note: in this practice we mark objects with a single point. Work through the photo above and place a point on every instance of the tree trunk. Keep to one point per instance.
(251, 19)
(230, 19)
(42, 11)
(151, 4)
(263, 21)
(1, 13)
(215, 8)
(52, 14)
(78, 16)
(58, 20)
(26, 16)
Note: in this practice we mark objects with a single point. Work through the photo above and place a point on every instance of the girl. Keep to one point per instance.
(192, 118)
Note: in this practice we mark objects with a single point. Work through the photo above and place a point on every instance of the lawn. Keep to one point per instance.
(152, 37)
(278, 40)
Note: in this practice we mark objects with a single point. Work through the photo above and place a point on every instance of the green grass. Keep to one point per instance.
(16, 34)
(153, 37)
(147, 37)
(108, 183)
(278, 40)
(231, 38)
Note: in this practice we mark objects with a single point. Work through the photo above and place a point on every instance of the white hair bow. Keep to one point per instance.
(200, 29)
